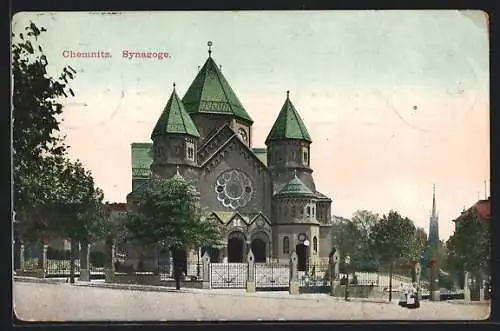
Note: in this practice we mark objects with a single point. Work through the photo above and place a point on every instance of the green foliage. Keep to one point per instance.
(168, 215)
(346, 237)
(36, 111)
(72, 202)
(393, 238)
(469, 247)
(417, 244)
(352, 237)
(365, 220)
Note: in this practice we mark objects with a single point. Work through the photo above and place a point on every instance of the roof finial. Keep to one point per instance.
(209, 44)
(220, 66)
(294, 172)
(174, 86)
(177, 169)
(287, 94)
(198, 68)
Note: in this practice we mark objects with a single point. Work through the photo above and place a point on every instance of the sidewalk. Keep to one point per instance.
(212, 292)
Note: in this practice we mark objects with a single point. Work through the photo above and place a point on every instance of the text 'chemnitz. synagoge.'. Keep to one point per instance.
(265, 198)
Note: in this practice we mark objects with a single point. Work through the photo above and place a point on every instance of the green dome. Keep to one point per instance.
(295, 187)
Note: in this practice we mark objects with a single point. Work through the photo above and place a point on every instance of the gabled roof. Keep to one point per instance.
(288, 125)
(482, 209)
(210, 93)
(235, 138)
(175, 119)
(295, 187)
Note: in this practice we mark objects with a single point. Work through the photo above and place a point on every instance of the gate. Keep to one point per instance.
(228, 275)
(315, 279)
(272, 276)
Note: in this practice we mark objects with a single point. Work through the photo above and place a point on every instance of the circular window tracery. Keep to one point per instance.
(234, 189)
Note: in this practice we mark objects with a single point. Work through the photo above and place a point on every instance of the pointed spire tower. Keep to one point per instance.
(211, 102)
(434, 222)
(288, 145)
(175, 139)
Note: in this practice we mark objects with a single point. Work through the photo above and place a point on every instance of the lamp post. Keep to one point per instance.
(306, 244)
(347, 262)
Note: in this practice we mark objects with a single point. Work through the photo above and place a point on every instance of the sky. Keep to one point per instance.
(395, 101)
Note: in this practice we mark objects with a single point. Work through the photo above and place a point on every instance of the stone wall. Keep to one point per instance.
(140, 279)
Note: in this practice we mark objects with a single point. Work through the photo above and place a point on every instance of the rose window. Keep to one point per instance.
(234, 189)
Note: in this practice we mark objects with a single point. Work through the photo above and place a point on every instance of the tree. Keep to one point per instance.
(469, 249)
(365, 220)
(417, 244)
(392, 236)
(36, 112)
(76, 208)
(168, 215)
(346, 238)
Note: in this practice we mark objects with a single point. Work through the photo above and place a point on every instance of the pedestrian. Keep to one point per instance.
(403, 292)
(412, 301)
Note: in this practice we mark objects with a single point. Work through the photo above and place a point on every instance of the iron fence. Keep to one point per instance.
(272, 276)
(190, 269)
(228, 275)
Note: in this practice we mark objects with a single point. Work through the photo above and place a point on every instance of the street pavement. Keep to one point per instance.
(80, 302)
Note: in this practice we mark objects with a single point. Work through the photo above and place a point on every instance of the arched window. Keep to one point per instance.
(286, 245)
(308, 211)
(315, 244)
(294, 211)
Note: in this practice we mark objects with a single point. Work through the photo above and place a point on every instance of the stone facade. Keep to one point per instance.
(246, 195)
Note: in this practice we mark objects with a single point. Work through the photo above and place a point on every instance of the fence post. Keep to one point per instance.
(293, 284)
(466, 287)
(109, 267)
(206, 271)
(21, 259)
(418, 271)
(85, 262)
(42, 271)
(333, 270)
(250, 283)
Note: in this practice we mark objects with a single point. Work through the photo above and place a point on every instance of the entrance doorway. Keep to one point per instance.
(301, 250)
(259, 250)
(235, 247)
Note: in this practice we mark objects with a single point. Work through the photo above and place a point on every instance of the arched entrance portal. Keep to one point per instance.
(235, 247)
(259, 250)
(301, 251)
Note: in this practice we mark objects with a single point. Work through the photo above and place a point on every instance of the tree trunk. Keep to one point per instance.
(40, 255)
(72, 259)
(177, 271)
(390, 282)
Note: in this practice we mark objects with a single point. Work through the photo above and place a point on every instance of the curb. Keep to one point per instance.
(132, 287)
(150, 288)
(463, 302)
(26, 279)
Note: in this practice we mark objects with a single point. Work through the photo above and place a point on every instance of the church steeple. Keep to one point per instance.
(434, 221)
(210, 93)
(174, 119)
(288, 125)
(288, 147)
